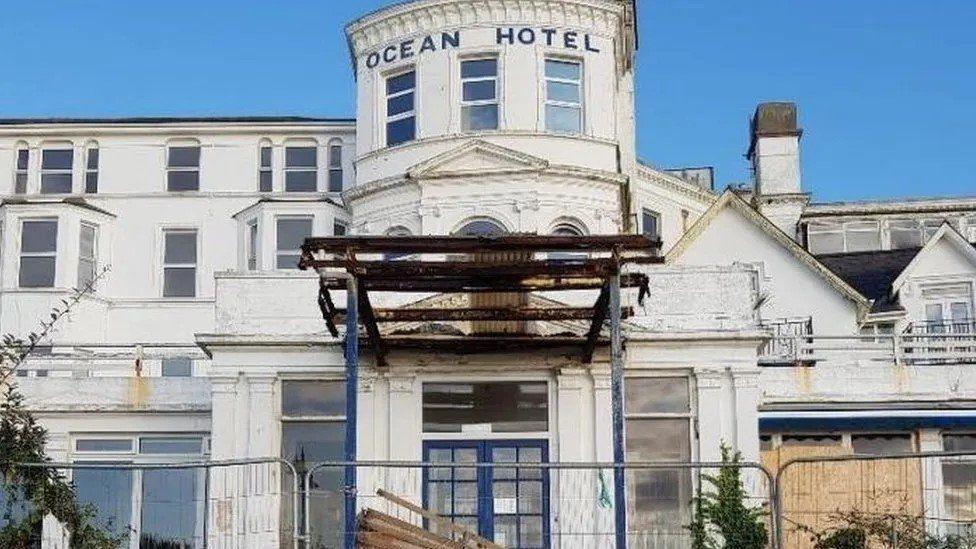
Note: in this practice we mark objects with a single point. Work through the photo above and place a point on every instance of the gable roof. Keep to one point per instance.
(947, 233)
(485, 157)
(730, 200)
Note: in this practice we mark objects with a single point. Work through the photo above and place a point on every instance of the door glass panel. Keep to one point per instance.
(452, 492)
(170, 507)
(109, 493)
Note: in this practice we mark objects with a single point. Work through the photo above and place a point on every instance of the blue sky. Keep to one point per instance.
(885, 87)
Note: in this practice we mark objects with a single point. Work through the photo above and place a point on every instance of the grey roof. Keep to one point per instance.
(179, 120)
(872, 273)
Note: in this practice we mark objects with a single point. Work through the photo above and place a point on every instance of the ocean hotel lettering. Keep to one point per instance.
(571, 40)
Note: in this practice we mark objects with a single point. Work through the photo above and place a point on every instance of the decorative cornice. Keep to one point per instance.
(676, 184)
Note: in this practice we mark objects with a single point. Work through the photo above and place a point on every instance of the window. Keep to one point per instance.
(177, 367)
(183, 168)
(566, 229)
(301, 169)
(479, 94)
(862, 236)
(881, 444)
(651, 224)
(398, 230)
(91, 170)
(481, 227)
(825, 237)
(38, 253)
(335, 166)
(264, 171)
(958, 474)
(904, 233)
(658, 428)
(180, 263)
(313, 424)
(291, 234)
(495, 407)
(56, 167)
(339, 228)
(252, 245)
(401, 120)
(20, 174)
(564, 105)
(87, 262)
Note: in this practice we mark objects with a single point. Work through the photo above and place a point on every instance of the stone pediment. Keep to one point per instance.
(477, 158)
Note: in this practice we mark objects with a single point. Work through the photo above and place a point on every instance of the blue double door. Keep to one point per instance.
(508, 505)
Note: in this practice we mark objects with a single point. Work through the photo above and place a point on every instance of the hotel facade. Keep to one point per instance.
(776, 324)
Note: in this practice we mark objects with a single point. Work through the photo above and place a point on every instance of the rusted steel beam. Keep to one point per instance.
(487, 283)
(368, 319)
(470, 244)
(328, 310)
(487, 313)
(599, 267)
(484, 343)
(601, 308)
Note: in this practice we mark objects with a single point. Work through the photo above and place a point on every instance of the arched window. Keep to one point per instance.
(566, 229)
(22, 167)
(397, 230)
(481, 227)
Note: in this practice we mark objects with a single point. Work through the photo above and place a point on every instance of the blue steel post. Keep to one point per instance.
(352, 383)
(617, 403)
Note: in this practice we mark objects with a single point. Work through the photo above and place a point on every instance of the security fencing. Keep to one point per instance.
(515, 503)
(175, 505)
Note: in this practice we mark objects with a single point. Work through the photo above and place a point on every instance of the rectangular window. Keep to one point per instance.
(313, 430)
(825, 238)
(177, 367)
(658, 428)
(479, 94)
(493, 407)
(291, 234)
(116, 445)
(564, 106)
(650, 224)
(335, 168)
(183, 169)
(958, 474)
(87, 262)
(264, 171)
(881, 444)
(180, 263)
(109, 493)
(20, 175)
(38, 253)
(904, 233)
(91, 171)
(862, 236)
(56, 165)
(252, 245)
(339, 228)
(401, 118)
(301, 169)
(170, 445)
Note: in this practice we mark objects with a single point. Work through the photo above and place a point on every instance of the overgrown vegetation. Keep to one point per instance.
(31, 493)
(723, 518)
(902, 530)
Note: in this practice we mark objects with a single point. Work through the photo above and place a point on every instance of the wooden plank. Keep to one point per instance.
(487, 284)
(394, 528)
(468, 244)
(486, 313)
(467, 534)
(515, 267)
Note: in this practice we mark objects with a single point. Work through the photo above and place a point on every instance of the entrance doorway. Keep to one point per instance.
(509, 506)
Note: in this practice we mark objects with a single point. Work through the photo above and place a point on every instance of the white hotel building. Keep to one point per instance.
(204, 341)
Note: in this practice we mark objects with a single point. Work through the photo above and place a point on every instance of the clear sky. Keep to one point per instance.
(885, 87)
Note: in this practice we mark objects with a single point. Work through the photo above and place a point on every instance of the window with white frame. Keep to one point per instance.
(38, 253)
(313, 425)
(335, 166)
(265, 174)
(291, 234)
(401, 118)
(958, 479)
(301, 168)
(180, 263)
(183, 168)
(564, 96)
(479, 94)
(145, 507)
(91, 169)
(21, 171)
(252, 243)
(659, 423)
(650, 224)
(87, 254)
(56, 166)
(827, 237)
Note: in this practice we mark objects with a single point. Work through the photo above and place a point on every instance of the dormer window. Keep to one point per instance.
(401, 119)
(479, 94)
(56, 165)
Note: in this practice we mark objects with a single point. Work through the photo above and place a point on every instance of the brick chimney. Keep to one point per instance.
(774, 151)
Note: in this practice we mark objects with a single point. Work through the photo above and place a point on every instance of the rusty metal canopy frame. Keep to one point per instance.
(465, 264)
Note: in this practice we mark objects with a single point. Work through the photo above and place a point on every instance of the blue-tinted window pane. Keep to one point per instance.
(562, 119)
(304, 442)
(481, 228)
(39, 236)
(335, 180)
(91, 182)
(399, 104)
(162, 445)
(292, 233)
(179, 282)
(300, 181)
(401, 83)
(264, 182)
(561, 91)
(104, 445)
(479, 90)
(565, 70)
(109, 492)
(177, 367)
(55, 183)
(171, 506)
(400, 131)
(480, 117)
(183, 181)
(265, 157)
(37, 272)
(181, 247)
(92, 159)
(23, 155)
(183, 157)
(301, 157)
(57, 159)
(479, 68)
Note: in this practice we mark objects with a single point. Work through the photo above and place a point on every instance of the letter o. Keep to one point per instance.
(526, 36)
(372, 60)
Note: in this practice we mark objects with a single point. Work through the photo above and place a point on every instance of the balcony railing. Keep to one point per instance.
(910, 348)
